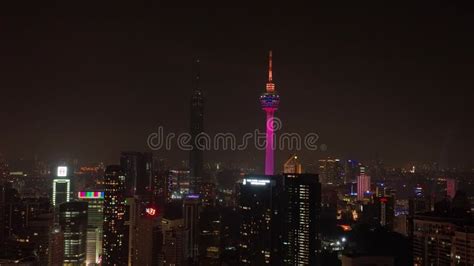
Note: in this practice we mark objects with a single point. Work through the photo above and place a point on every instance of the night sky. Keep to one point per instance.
(90, 81)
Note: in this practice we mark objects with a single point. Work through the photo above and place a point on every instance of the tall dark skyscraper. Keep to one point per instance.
(115, 241)
(138, 171)
(196, 127)
(73, 222)
(191, 209)
(261, 226)
(280, 220)
(302, 219)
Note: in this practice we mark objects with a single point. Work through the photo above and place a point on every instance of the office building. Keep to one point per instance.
(261, 221)
(363, 185)
(61, 186)
(302, 219)
(174, 242)
(292, 165)
(191, 210)
(443, 240)
(451, 187)
(138, 170)
(95, 200)
(56, 246)
(115, 240)
(73, 223)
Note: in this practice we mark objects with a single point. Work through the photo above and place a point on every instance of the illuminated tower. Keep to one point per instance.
(269, 101)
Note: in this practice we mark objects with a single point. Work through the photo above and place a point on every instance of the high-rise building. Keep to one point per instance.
(145, 236)
(302, 219)
(269, 101)
(331, 171)
(261, 220)
(95, 200)
(174, 242)
(385, 210)
(115, 241)
(56, 246)
(191, 210)
(363, 185)
(177, 185)
(61, 186)
(451, 187)
(73, 222)
(442, 240)
(196, 128)
(292, 165)
(138, 171)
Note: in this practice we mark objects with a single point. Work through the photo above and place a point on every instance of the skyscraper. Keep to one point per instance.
(196, 128)
(61, 186)
(56, 246)
(115, 241)
(138, 171)
(191, 209)
(261, 220)
(95, 210)
(73, 222)
(451, 187)
(292, 166)
(269, 101)
(302, 219)
(363, 185)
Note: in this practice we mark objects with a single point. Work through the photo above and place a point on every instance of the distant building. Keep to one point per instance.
(292, 166)
(115, 240)
(363, 185)
(73, 222)
(177, 185)
(138, 170)
(451, 187)
(331, 171)
(196, 127)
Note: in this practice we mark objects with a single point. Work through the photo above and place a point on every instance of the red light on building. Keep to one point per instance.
(383, 200)
(151, 211)
(345, 227)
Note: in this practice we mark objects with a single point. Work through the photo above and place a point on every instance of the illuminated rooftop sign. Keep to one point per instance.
(256, 182)
(151, 211)
(62, 171)
(90, 195)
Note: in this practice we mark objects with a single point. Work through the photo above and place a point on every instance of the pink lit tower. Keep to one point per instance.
(269, 101)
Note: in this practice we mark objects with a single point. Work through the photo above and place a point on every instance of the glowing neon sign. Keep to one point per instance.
(151, 211)
(62, 171)
(90, 195)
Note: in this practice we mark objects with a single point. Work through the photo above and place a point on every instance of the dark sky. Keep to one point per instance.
(91, 80)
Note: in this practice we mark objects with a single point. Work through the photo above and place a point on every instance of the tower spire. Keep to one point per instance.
(270, 84)
(198, 73)
(270, 71)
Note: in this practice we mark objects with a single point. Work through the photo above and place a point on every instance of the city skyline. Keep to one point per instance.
(407, 100)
